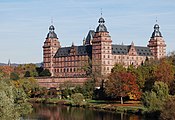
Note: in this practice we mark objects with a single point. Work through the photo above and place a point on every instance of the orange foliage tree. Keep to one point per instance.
(164, 71)
(6, 70)
(121, 84)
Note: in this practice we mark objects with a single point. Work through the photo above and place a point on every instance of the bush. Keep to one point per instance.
(77, 98)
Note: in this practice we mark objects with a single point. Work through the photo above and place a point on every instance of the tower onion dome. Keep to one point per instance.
(51, 33)
(156, 32)
(101, 27)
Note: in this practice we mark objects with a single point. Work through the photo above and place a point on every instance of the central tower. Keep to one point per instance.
(101, 49)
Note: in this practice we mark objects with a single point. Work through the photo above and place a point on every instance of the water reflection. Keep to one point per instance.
(59, 112)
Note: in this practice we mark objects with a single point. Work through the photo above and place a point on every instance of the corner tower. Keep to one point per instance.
(101, 49)
(157, 44)
(51, 45)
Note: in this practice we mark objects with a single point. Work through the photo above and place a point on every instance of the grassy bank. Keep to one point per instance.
(114, 106)
(129, 107)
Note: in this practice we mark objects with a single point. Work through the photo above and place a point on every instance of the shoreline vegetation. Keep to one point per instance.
(134, 107)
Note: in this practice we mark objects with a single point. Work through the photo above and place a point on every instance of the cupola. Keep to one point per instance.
(51, 33)
(101, 27)
(156, 32)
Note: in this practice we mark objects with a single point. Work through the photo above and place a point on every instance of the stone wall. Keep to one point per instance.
(54, 82)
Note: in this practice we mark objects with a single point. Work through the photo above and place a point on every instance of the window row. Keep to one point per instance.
(58, 70)
(72, 58)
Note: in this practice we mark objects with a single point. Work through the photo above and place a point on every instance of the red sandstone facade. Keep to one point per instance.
(69, 62)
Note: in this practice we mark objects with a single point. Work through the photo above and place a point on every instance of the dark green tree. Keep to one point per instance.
(45, 72)
(27, 74)
(88, 89)
(14, 76)
(39, 70)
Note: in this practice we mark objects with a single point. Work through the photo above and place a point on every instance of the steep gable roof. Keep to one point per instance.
(124, 49)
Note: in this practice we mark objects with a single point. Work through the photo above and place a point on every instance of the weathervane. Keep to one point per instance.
(156, 19)
(101, 12)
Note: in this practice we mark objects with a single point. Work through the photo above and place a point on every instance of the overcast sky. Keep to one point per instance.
(24, 23)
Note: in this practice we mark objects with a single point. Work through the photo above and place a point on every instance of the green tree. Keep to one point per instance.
(118, 68)
(7, 106)
(14, 76)
(13, 101)
(67, 89)
(153, 100)
(29, 85)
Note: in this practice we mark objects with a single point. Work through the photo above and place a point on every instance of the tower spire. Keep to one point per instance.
(51, 20)
(156, 19)
(9, 63)
(101, 12)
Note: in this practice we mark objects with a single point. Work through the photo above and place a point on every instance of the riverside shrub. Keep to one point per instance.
(77, 98)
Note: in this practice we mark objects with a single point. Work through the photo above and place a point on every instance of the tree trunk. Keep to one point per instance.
(121, 116)
(121, 98)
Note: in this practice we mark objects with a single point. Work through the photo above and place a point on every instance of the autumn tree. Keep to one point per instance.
(164, 71)
(5, 71)
(139, 73)
(121, 84)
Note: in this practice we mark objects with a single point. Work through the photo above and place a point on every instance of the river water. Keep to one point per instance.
(60, 112)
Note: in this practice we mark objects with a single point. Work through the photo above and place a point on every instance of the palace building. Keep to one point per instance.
(98, 51)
